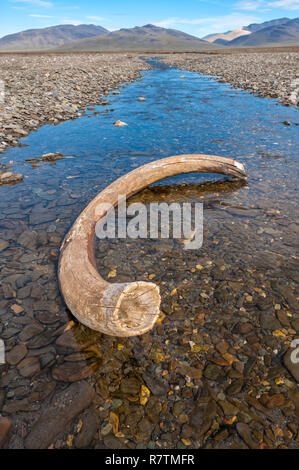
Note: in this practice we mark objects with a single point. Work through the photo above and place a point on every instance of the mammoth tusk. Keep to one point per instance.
(121, 309)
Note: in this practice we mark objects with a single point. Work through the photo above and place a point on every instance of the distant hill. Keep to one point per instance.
(46, 38)
(230, 37)
(148, 37)
(285, 34)
(255, 27)
(224, 38)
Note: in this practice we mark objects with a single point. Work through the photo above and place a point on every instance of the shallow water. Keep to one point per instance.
(239, 288)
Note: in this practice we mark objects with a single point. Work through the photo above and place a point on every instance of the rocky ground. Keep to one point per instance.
(214, 372)
(49, 88)
(272, 75)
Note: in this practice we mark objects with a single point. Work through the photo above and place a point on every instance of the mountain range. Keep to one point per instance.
(142, 38)
(46, 38)
(278, 32)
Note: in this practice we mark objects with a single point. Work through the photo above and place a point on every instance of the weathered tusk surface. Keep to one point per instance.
(121, 309)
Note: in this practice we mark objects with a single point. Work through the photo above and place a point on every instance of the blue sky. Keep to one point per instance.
(197, 17)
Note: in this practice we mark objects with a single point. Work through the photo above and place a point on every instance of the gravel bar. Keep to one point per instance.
(271, 75)
(49, 88)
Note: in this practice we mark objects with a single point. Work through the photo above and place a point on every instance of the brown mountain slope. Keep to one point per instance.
(49, 37)
(148, 37)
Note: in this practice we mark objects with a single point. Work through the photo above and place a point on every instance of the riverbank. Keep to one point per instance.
(50, 88)
(271, 75)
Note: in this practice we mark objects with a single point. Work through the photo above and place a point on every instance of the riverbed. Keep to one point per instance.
(213, 372)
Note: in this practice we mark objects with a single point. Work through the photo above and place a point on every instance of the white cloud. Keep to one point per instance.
(95, 18)
(285, 4)
(216, 24)
(249, 5)
(41, 16)
(263, 5)
(38, 3)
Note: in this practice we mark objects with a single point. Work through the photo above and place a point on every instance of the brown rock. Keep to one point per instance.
(275, 401)
(74, 371)
(3, 245)
(65, 406)
(244, 431)
(29, 367)
(16, 354)
(5, 426)
(30, 331)
(222, 347)
(17, 309)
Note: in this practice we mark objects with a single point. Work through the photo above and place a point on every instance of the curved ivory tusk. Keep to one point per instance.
(121, 309)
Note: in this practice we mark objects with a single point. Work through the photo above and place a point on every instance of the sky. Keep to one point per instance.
(196, 17)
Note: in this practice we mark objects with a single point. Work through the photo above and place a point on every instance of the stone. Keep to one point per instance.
(120, 124)
(228, 408)
(3, 245)
(130, 386)
(156, 386)
(17, 309)
(74, 371)
(106, 429)
(30, 331)
(16, 354)
(10, 178)
(52, 157)
(64, 407)
(28, 239)
(244, 431)
(269, 322)
(178, 408)
(88, 430)
(29, 367)
(275, 401)
(5, 427)
(71, 340)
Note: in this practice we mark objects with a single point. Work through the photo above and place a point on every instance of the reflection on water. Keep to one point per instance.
(214, 362)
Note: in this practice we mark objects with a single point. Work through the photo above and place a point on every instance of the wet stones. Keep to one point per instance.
(5, 427)
(15, 355)
(130, 386)
(269, 322)
(74, 371)
(29, 367)
(245, 433)
(120, 123)
(28, 239)
(3, 245)
(64, 407)
(48, 104)
(10, 178)
(52, 157)
(88, 424)
(75, 339)
(30, 331)
(266, 74)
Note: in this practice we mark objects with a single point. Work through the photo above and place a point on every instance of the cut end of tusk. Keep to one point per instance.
(131, 309)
